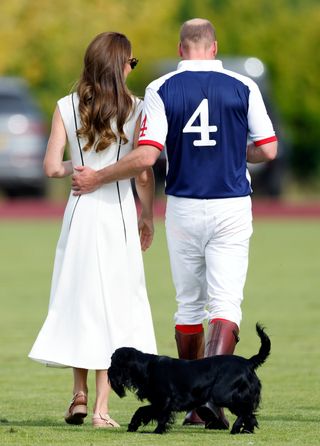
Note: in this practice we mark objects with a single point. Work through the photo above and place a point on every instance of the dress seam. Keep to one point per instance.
(81, 155)
(119, 197)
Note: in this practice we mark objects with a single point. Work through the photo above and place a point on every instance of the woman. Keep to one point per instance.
(98, 298)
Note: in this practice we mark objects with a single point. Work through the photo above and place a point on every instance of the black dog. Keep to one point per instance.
(174, 385)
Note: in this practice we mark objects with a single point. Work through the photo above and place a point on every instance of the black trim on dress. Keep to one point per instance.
(119, 196)
(81, 155)
(75, 124)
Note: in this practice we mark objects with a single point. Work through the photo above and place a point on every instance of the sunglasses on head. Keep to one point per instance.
(133, 62)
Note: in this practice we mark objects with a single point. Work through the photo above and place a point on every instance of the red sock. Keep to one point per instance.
(190, 329)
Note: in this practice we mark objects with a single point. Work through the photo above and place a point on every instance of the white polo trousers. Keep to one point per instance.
(208, 242)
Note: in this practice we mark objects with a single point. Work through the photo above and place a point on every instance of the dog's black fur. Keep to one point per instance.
(174, 385)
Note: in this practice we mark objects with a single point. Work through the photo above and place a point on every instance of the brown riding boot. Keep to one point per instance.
(190, 346)
(222, 338)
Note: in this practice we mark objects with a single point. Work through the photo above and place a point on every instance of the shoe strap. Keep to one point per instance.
(107, 419)
(80, 394)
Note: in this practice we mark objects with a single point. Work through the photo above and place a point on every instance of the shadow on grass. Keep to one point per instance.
(45, 422)
(42, 422)
(293, 418)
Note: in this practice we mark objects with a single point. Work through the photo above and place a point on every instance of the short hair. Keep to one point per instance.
(197, 31)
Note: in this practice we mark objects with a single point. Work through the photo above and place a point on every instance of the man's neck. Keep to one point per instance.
(198, 52)
(198, 56)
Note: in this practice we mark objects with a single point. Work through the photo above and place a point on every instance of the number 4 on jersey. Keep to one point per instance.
(143, 127)
(204, 128)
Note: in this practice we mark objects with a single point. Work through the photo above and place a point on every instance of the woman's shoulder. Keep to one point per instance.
(68, 107)
(68, 100)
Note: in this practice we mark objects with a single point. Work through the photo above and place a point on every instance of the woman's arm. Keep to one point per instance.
(53, 163)
(145, 192)
(145, 187)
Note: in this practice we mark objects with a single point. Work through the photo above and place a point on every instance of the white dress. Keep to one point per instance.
(98, 299)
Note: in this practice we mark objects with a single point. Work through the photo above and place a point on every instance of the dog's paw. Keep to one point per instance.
(159, 430)
(246, 431)
(132, 428)
(236, 429)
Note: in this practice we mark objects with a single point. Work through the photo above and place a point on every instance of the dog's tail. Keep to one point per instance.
(257, 360)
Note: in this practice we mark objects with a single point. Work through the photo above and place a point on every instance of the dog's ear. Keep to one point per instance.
(120, 373)
(119, 389)
(116, 381)
(128, 370)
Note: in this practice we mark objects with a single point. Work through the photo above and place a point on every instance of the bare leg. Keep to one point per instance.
(101, 416)
(77, 409)
(80, 381)
(102, 392)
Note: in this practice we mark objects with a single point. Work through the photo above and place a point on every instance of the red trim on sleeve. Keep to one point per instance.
(190, 329)
(148, 142)
(265, 141)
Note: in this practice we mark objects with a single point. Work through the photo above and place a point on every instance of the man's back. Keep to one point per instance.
(207, 113)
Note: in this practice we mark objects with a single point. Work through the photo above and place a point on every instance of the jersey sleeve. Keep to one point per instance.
(260, 126)
(154, 124)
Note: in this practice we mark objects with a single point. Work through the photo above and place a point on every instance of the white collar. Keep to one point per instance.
(200, 65)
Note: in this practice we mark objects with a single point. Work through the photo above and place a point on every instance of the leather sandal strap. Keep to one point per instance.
(108, 420)
(77, 395)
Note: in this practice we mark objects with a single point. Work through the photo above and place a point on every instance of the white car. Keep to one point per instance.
(23, 140)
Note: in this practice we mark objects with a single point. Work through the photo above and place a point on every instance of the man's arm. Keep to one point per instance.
(262, 152)
(129, 166)
(261, 131)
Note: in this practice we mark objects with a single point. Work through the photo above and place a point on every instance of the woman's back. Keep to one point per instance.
(69, 109)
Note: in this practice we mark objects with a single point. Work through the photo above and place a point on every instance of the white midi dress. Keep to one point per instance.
(98, 299)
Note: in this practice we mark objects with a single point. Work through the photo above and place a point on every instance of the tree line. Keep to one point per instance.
(44, 42)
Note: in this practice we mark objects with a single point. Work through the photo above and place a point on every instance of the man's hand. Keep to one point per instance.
(146, 231)
(84, 180)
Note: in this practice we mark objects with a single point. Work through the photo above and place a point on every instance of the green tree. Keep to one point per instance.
(44, 42)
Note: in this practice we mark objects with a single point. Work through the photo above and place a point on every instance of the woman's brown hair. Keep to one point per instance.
(105, 102)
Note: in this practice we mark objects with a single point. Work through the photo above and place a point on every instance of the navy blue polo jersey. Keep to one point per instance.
(204, 115)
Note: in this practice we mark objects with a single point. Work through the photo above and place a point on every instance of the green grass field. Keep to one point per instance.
(282, 292)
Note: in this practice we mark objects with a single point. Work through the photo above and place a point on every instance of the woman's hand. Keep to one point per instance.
(146, 231)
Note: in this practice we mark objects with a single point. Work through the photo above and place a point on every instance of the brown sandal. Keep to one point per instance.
(104, 421)
(77, 410)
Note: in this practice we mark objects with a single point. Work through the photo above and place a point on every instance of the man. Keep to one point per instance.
(203, 114)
